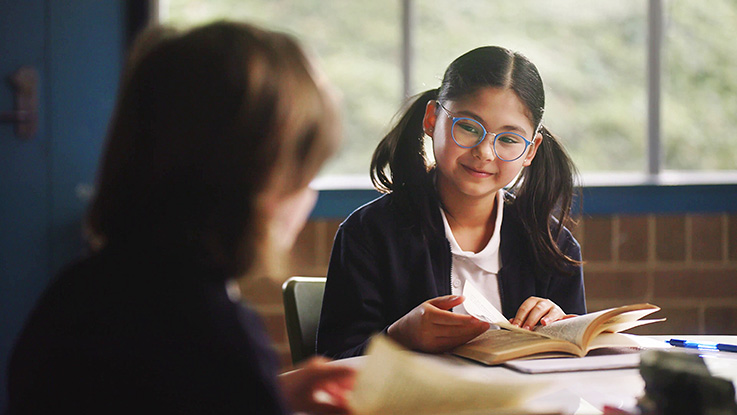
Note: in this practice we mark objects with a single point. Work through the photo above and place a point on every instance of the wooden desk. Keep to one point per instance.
(587, 392)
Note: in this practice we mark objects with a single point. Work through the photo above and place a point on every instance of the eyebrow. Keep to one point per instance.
(504, 128)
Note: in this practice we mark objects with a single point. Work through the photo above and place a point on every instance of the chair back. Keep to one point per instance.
(302, 304)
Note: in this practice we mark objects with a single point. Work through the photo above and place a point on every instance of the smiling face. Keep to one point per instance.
(475, 173)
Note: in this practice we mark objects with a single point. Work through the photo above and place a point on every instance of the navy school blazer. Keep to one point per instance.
(120, 332)
(382, 266)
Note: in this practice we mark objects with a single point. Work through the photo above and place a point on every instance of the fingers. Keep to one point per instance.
(318, 367)
(450, 339)
(329, 399)
(446, 302)
(536, 310)
(530, 312)
(443, 330)
(439, 317)
(472, 327)
(331, 377)
(318, 387)
(462, 324)
(430, 327)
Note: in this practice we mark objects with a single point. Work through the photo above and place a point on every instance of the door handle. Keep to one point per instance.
(24, 83)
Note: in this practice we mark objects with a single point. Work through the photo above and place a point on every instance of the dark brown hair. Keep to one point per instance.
(205, 120)
(545, 188)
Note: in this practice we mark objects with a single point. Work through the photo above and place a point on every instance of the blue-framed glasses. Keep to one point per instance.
(468, 133)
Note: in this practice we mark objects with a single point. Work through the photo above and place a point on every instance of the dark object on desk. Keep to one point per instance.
(680, 383)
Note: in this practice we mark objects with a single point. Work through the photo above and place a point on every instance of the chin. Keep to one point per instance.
(480, 193)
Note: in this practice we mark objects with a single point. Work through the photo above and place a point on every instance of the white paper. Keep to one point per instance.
(478, 306)
(397, 381)
(614, 361)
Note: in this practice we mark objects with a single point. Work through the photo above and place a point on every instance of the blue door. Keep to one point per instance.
(45, 180)
(24, 183)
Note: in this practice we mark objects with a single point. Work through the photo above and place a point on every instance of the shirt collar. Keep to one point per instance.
(488, 258)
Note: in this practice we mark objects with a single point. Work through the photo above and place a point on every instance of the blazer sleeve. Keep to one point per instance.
(352, 308)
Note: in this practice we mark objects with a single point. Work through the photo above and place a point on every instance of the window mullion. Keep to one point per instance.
(407, 47)
(654, 54)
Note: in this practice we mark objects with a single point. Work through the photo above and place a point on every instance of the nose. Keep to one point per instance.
(485, 150)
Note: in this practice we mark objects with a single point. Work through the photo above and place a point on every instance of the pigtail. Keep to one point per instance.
(399, 159)
(544, 191)
(399, 164)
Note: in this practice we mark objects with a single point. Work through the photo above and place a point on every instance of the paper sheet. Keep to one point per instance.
(394, 380)
(478, 306)
(614, 361)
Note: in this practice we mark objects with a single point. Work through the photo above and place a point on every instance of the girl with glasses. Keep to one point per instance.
(479, 209)
(204, 182)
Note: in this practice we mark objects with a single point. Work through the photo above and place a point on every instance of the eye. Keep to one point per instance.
(470, 127)
(509, 139)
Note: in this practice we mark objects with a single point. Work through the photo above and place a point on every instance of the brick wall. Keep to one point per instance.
(686, 264)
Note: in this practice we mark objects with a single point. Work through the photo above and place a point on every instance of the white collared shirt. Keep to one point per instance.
(481, 268)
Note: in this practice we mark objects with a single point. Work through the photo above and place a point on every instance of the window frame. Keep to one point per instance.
(651, 191)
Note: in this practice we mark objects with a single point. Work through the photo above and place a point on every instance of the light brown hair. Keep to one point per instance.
(205, 120)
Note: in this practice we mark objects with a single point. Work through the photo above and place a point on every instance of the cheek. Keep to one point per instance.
(291, 215)
(444, 152)
(437, 149)
(511, 170)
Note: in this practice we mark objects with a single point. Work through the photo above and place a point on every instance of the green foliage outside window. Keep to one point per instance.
(592, 56)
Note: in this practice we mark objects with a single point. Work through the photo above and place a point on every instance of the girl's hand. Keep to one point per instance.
(317, 387)
(431, 327)
(537, 310)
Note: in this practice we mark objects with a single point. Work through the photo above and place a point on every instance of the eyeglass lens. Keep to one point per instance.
(469, 133)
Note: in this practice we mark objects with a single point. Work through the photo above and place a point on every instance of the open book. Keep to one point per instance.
(573, 336)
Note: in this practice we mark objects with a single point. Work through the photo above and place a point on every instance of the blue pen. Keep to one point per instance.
(722, 347)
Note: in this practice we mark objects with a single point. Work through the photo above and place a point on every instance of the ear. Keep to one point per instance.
(428, 122)
(533, 149)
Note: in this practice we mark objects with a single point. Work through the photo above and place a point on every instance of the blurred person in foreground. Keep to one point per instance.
(203, 183)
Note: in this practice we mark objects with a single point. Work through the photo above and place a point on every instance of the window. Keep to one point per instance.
(699, 85)
(358, 44)
(604, 70)
(592, 60)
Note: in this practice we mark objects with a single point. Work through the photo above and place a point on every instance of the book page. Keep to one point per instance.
(496, 346)
(478, 306)
(618, 322)
(571, 329)
(394, 380)
(626, 325)
(624, 340)
(505, 340)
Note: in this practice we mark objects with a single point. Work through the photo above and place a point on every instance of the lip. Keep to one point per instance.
(476, 172)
